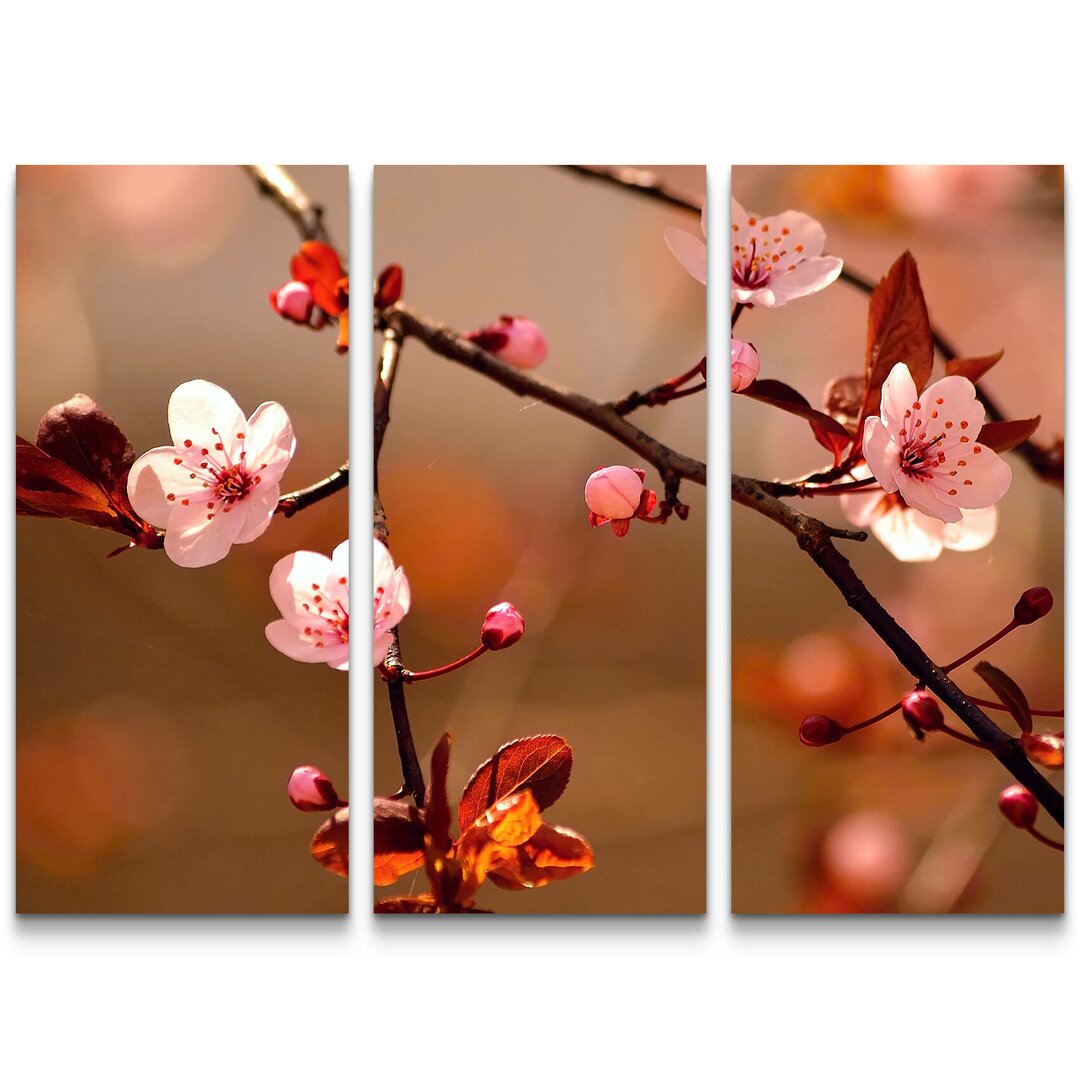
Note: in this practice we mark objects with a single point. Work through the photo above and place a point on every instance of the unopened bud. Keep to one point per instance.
(1033, 604)
(922, 711)
(1019, 806)
(1043, 749)
(503, 626)
(514, 340)
(745, 365)
(293, 301)
(614, 492)
(817, 730)
(309, 789)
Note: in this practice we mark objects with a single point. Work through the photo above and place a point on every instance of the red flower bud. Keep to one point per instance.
(293, 301)
(1033, 605)
(309, 789)
(1044, 749)
(1019, 806)
(816, 730)
(922, 711)
(513, 339)
(503, 626)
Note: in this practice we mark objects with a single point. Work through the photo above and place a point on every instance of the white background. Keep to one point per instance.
(497, 82)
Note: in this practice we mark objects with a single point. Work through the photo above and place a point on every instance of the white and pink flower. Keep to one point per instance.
(909, 534)
(513, 339)
(925, 446)
(690, 250)
(392, 599)
(218, 484)
(616, 495)
(777, 259)
(745, 364)
(312, 594)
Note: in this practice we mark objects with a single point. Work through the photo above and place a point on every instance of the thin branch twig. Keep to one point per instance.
(445, 342)
(302, 498)
(275, 183)
(639, 181)
(815, 538)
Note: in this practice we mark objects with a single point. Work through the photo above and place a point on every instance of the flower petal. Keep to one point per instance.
(982, 479)
(690, 250)
(922, 494)
(256, 510)
(291, 586)
(198, 407)
(270, 441)
(306, 647)
(154, 476)
(808, 277)
(803, 232)
(975, 531)
(197, 536)
(909, 535)
(898, 394)
(881, 453)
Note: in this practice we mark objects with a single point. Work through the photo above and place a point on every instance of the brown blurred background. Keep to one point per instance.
(156, 727)
(879, 822)
(483, 492)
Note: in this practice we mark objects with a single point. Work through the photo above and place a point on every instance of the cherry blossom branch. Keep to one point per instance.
(815, 538)
(411, 772)
(638, 181)
(302, 498)
(274, 182)
(605, 416)
(662, 393)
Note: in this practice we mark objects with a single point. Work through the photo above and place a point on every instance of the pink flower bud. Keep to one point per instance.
(1033, 605)
(745, 365)
(1019, 806)
(922, 711)
(514, 340)
(614, 492)
(1043, 749)
(309, 789)
(503, 626)
(816, 730)
(293, 301)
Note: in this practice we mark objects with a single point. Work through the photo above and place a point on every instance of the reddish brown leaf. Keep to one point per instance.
(541, 763)
(423, 905)
(551, 854)
(898, 331)
(437, 805)
(830, 434)
(973, 367)
(319, 267)
(330, 844)
(843, 398)
(1006, 434)
(388, 286)
(399, 840)
(1009, 694)
(80, 434)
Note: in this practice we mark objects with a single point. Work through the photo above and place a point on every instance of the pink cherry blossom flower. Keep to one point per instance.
(909, 534)
(745, 365)
(925, 447)
(218, 485)
(690, 250)
(513, 339)
(392, 600)
(312, 594)
(293, 301)
(777, 259)
(617, 494)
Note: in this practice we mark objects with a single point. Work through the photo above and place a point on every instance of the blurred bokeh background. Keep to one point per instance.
(879, 822)
(156, 728)
(483, 493)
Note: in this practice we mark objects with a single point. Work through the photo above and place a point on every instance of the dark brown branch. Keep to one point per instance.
(302, 498)
(604, 416)
(275, 183)
(638, 181)
(662, 393)
(411, 771)
(815, 538)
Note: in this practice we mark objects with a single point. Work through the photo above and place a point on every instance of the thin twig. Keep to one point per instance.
(815, 538)
(275, 183)
(445, 342)
(302, 498)
(639, 181)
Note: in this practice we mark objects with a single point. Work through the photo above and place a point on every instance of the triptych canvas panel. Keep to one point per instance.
(540, 544)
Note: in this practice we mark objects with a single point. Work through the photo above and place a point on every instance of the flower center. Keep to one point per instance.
(232, 483)
(919, 458)
(334, 615)
(748, 269)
